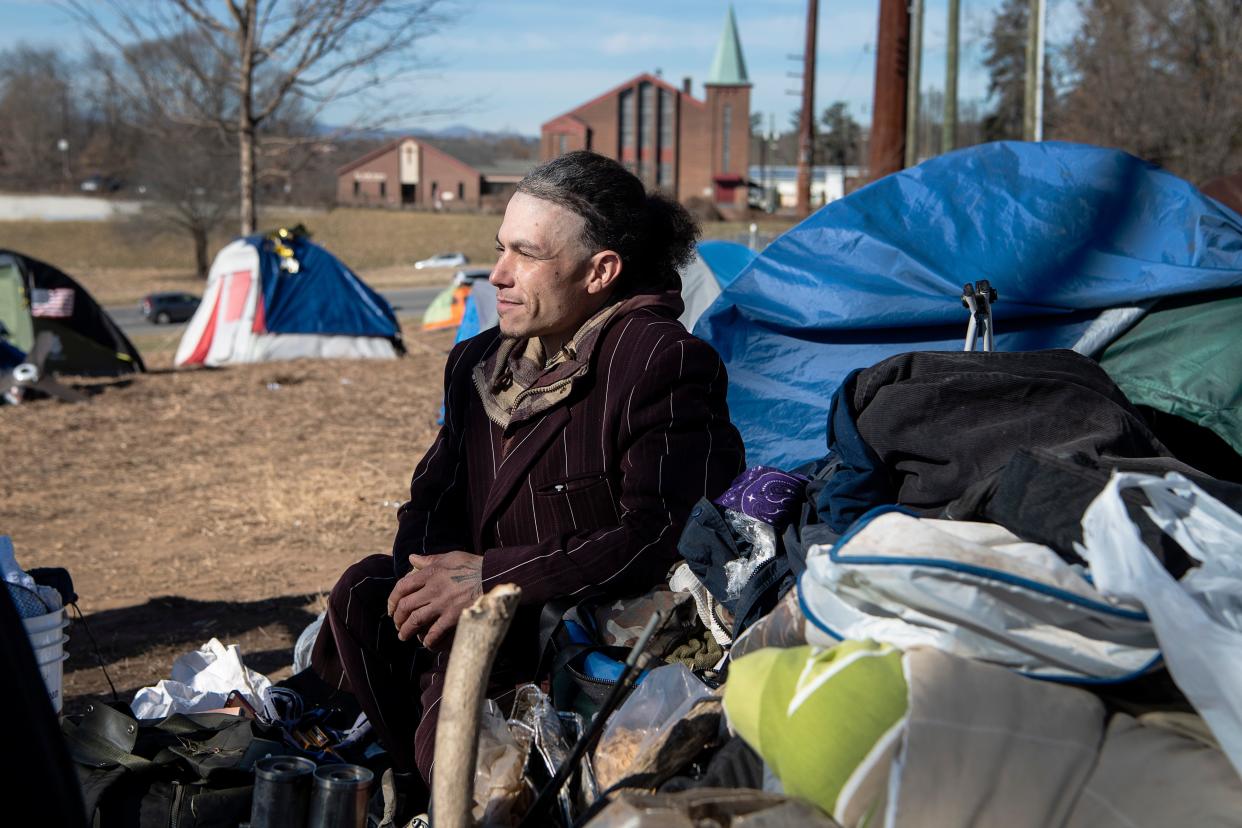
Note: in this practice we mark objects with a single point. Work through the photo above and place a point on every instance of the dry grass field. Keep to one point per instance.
(120, 261)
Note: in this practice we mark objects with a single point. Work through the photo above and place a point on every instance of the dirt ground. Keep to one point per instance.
(212, 502)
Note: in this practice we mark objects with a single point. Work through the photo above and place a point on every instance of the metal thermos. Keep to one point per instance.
(282, 792)
(340, 797)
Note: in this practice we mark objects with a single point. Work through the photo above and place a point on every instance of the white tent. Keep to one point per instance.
(261, 306)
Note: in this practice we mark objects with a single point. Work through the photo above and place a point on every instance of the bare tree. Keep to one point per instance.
(318, 51)
(181, 173)
(1161, 79)
(38, 108)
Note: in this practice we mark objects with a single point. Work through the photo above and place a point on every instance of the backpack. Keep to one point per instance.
(186, 770)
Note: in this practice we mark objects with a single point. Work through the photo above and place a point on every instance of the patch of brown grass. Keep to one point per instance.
(208, 502)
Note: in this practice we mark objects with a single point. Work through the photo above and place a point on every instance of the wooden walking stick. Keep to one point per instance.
(480, 630)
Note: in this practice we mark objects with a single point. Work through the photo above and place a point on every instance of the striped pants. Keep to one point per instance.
(397, 683)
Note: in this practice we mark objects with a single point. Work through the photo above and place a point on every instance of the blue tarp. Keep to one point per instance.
(1063, 231)
(323, 297)
(726, 259)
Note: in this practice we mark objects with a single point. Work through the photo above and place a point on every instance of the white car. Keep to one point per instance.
(443, 260)
(469, 275)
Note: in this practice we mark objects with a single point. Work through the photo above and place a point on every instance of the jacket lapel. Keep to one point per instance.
(527, 444)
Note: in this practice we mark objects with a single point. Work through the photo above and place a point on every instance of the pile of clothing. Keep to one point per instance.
(998, 598)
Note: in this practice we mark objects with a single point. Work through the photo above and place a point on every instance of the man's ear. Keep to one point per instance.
(605, 270)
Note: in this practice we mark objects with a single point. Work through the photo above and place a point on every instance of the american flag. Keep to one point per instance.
(54, 303)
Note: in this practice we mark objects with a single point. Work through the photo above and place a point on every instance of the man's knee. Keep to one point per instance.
(362, 585)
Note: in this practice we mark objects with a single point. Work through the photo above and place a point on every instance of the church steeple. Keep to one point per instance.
(729, 67)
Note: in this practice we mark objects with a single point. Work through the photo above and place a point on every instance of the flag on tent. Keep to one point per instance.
(51, 303)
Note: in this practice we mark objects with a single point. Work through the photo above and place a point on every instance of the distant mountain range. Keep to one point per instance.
(463, 131)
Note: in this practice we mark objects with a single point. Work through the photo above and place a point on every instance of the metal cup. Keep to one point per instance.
(340, 797)
(282, 788)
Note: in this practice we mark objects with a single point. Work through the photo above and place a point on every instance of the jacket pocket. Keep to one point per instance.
(578, 502)
(572, 484)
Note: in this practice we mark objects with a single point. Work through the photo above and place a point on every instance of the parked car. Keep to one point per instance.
(443, 260)
(469, 274)
(169, 306)
(100, 184)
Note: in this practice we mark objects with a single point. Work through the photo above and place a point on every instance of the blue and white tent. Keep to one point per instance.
(272, 300)
(1078, 241)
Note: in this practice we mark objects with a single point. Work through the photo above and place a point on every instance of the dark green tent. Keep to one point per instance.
(1184, 358)
(36, 297)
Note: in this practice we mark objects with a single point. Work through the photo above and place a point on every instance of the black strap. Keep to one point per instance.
(551, 622)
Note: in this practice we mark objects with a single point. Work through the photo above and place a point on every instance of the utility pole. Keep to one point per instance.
(949, 137)
(806, 124)
(888, 108)
(1033, 101)
(63, 146)
(768, 186)
(913, 82)
(763, 161)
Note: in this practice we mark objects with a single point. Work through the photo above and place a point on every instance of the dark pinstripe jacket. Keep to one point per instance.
(589, 497)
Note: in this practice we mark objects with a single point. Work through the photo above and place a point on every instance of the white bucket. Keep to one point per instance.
(47, 638)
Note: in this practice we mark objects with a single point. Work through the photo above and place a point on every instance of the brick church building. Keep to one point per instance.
(684, 146)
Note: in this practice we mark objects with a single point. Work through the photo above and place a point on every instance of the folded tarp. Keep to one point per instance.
(1063, 231)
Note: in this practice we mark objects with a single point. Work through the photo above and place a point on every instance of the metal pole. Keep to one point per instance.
(949, 136)
(63, 146)
(888, 109)
(1041, 17)
(806, 124)
(913, 83)
(1033, 101)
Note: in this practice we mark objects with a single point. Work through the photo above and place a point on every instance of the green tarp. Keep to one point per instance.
(1185, 358)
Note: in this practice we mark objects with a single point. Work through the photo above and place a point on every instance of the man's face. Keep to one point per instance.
(542, 276)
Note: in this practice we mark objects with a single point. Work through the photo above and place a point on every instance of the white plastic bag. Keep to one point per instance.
(306, 643)
(1198, 621)
(201, 680)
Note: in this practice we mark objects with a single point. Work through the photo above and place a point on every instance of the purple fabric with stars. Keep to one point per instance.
(767, 494)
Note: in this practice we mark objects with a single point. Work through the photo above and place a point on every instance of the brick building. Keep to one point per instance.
(670, 139)
(409, 172)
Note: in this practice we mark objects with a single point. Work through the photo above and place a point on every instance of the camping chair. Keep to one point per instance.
(30, 375)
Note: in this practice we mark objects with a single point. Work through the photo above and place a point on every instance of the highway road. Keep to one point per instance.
(405, 301)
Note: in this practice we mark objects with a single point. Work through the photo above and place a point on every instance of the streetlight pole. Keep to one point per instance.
(63, 146)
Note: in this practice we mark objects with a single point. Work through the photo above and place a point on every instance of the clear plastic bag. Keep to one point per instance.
(551, 735)
(499, 784)
(664, 697)
(784, 626)
(762, 539)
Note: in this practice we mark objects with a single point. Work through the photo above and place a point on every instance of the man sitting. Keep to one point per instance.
(577, 436)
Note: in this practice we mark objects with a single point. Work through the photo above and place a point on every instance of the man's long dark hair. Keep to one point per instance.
(653, 234)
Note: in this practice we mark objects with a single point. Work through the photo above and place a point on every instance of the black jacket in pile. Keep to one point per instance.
(924, 428)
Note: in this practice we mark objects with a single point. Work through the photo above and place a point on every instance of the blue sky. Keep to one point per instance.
(513, 64)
